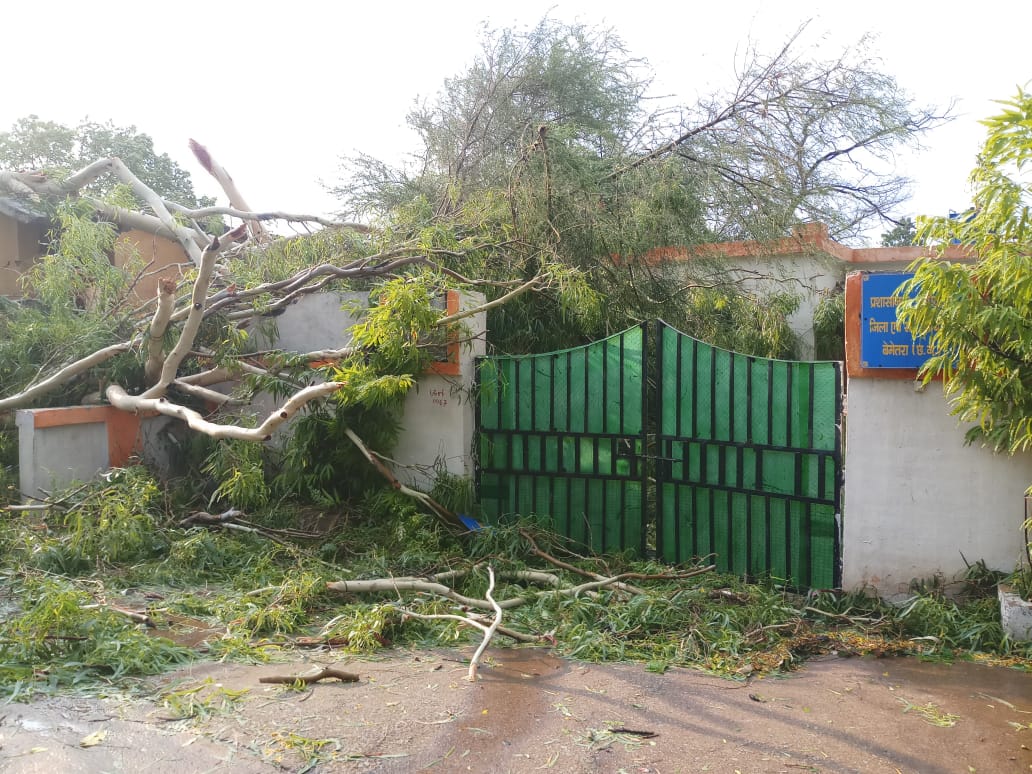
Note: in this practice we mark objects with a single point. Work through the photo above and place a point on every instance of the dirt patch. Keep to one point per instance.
(532, 711)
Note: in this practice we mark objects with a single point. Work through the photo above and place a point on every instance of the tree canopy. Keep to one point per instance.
(34, 144)
(552, 139)
(545, 175)
(980, 314)
(903, 234)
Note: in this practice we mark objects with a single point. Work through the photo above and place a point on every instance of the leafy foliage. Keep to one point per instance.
(77, 309)
(61, 638)
(8, 464)
(829, 323)
(979, 314)
(238, 468)
(903, 234)
(252, 593)
(33, 143)
(547, 152)
(743, 323)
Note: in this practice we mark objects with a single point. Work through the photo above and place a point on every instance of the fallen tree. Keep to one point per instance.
(166, 334)
(544, 174)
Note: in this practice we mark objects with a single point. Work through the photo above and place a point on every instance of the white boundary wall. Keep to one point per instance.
(52, 457)
(438, 416)
(917, 500)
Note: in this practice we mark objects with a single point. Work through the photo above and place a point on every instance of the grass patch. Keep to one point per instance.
(119, 544)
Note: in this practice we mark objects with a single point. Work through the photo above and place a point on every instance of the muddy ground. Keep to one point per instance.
(533, 712)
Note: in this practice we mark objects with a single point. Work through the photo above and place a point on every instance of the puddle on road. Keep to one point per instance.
(986, 693)
(188, 632)
(515, 691)
(521, 665)
(965, 678)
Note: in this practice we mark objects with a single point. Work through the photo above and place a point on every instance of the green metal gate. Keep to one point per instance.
(562, 436)
(725, 454)
(748, 462)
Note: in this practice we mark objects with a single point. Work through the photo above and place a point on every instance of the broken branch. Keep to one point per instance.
(489, 632)
(326, 673)
(120, 399)
(170, 367)
(423, 497)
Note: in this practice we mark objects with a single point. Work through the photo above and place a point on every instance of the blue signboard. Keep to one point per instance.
(884, 342)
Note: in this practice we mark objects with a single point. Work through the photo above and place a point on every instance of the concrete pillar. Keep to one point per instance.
(919, 503)
(58, 446)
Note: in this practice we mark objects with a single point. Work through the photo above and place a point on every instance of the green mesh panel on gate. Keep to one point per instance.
(561, 439)
(748, 462)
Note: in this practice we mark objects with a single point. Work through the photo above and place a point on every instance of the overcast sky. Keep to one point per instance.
(279, 91)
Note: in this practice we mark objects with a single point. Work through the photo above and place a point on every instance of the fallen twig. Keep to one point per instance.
(670, 575)
(142, 618)
(534, 549)
(326, 673)
(488, 629)
(841, 616)
(512, 634)
(633, 732)
(489, 633)
(231, 520)
(626, 587)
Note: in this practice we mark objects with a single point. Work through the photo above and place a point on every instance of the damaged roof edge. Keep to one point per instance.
(22, 210)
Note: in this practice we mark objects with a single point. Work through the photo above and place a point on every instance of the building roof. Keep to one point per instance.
(22, 210)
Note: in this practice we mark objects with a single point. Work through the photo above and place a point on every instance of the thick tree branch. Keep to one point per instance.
(159, 324)
(63, 376)
(287, 217)
(236, 199)
(120, 399)
(129, 220)
(397, 585)
(195, 316)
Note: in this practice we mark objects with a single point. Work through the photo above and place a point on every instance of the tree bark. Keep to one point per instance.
(120, 399)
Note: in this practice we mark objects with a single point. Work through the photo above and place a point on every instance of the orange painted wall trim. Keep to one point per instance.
(854, 324)
(807, 239)
(123, 427)
(450, 366)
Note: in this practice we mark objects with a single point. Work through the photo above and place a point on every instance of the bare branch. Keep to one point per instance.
(236, 199)
(129, 220)
(449, 319)
(477, 623)
(196, 313)
(489, 631)
(307, 678)
(232, 212)
(159, 324)
(120, 399)
(381, 585)
(211, 396)
(186, 237)
(423, 497)
(63, 376)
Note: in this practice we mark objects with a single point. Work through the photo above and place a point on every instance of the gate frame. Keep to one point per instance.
(648, 455)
